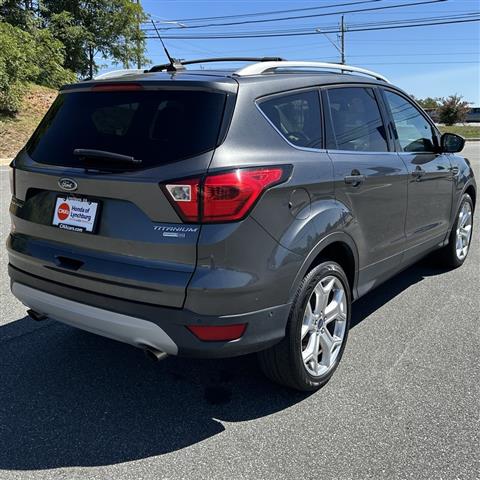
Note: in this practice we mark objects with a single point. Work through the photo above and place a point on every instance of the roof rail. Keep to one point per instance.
(181, 63)
(117, 73)
(264, 67)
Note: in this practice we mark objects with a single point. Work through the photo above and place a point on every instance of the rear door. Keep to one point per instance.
(106, 225)
(370, 180)
(430, 186)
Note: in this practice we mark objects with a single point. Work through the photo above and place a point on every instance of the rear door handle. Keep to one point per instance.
(455, 170)
(354, 180)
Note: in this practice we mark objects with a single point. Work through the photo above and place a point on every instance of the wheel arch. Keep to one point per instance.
(338, 247)
(471, 191)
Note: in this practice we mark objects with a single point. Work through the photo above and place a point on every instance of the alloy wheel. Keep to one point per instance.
(324, 325)
(464, 231)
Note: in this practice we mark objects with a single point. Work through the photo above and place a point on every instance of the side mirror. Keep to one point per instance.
(452, 143)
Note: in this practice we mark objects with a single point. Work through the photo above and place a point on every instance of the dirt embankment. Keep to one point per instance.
(15, 131)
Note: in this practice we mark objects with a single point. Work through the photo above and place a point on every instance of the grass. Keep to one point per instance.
(15, 131)
(467, 131)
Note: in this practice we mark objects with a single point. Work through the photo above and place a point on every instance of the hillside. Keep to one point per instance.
(14, 132)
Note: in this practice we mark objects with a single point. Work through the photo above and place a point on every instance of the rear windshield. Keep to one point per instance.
(155, 127)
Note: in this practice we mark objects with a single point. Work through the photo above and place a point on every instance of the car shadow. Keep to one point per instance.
(378, 297)
(70, 398)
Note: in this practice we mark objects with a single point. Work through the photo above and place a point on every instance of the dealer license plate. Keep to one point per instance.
(75, 214)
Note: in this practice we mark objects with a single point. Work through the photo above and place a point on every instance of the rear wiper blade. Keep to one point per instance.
(87, 153)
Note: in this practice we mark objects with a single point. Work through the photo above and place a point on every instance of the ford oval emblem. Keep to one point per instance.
(67, 184)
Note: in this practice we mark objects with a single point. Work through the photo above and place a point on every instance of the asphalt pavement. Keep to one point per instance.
(404, 403)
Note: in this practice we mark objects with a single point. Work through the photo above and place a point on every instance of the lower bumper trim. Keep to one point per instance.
(139, 322)
(125, 328)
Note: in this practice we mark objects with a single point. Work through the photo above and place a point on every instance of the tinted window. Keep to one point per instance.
(414, 133)
(356, 121)
(296, 117)
(154, 126)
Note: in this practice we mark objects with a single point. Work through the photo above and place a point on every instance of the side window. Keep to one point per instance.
(296, 117)
(414, 133)
(355, 120)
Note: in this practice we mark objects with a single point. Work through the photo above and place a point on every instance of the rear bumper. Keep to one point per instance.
(142, 324)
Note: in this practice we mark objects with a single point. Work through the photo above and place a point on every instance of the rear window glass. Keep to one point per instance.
(156, 127)
(296, 117)
(356, 121)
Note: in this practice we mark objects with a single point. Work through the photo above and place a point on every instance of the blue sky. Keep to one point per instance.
(425, 61)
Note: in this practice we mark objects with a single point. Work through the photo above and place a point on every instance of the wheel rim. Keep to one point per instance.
(324, 325)
(464, 231)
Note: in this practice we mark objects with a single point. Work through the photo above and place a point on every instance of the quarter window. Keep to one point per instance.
(356, 121)
(296, 117)
(414, 132)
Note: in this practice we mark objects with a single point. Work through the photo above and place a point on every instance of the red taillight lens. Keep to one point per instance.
(218, 333)
(225, 197)
(229, 196)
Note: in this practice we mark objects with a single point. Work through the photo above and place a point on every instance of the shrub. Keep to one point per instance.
(453, 109)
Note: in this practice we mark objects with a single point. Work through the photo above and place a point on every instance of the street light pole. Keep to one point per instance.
(341, 49)
(329, 39)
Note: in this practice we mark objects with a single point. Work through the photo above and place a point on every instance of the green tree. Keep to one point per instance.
(73, 36)
(19, 13)
(92, 28)
(28, 57)
(453, 109)
(49, 59)
(14, 66)
(429, 102)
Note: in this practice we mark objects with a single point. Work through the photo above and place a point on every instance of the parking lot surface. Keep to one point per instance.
(404, 402)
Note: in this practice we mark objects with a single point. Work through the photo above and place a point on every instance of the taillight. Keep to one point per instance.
(229, 196)
(218, 333)
(222, 197)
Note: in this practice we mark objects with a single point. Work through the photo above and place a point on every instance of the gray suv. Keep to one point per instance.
(211, 213)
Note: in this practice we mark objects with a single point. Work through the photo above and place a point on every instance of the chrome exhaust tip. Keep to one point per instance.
(154, 354)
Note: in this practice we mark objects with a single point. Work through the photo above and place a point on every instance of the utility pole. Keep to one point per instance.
(342, 40)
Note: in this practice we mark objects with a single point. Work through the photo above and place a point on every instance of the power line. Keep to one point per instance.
(275, 12)
(310, 32)
(458, 16)
(297, 17)
(330, 27)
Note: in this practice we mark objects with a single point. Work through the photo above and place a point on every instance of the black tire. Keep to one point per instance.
(283, 363)
(447, 256)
